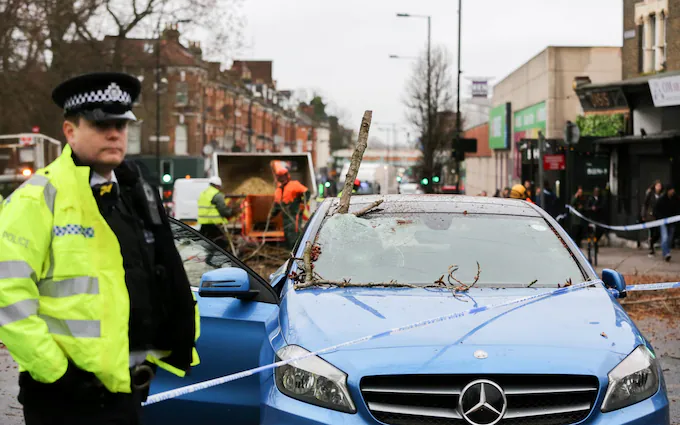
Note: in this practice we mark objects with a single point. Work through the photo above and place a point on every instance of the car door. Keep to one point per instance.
(233, 338)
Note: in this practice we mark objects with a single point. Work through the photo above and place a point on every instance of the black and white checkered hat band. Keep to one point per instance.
(113, 93)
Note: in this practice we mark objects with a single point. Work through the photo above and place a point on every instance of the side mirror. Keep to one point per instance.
(229, 282)
(613, 279)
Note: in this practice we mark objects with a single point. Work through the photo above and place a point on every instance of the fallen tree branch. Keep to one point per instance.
(307, 256)
(354, 164)
(369, 208)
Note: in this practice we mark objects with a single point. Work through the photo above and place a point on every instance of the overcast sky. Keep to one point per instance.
(340, 48)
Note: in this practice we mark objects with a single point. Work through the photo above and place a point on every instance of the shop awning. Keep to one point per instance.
(657, 137)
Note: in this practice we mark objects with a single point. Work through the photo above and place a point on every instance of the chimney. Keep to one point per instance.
(195, 49)
(171, 33)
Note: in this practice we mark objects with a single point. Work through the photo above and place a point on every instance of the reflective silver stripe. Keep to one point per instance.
(67, 287)
(16, 269)
(75, 328)
(18, 311)
(50, 192)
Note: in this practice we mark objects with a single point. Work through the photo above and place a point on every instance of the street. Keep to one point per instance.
(658, 320)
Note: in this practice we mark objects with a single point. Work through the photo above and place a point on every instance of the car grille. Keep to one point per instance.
(433, 399)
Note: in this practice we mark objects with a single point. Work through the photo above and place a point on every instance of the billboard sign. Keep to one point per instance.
(499, 132)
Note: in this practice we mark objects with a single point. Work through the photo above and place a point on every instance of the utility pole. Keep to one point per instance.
(541, 144)
(158, 101)
(458, 129)
(429, 86)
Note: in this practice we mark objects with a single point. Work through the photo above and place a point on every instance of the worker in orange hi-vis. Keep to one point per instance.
(290, 198)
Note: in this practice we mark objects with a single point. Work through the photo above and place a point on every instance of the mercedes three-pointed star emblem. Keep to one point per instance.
(482, 402)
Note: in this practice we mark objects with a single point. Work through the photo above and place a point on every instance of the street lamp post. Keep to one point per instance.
(458, 129)
(429, 71)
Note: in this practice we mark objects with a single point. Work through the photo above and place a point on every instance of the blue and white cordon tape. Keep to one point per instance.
(648, 287)
(640, 226)
(233, 377)
(476, 310)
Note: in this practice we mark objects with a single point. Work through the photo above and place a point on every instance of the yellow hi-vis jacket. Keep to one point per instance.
(62, 282)
(207, 211)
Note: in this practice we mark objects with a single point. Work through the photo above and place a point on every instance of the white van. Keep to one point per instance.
(185, 196)
(378, 179)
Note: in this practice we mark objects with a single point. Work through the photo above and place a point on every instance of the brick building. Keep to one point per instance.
(239, 109)
(647, 98)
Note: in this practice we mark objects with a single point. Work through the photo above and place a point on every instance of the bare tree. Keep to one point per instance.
(144, 18)
(441, 100)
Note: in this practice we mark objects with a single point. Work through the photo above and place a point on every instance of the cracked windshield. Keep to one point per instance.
(422, 248)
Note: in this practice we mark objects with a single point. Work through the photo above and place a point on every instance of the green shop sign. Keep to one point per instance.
(529, 121)
(499, 137)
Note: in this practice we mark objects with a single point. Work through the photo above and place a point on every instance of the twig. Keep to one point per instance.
(463, 287)
(349, 284)
(227, 234)
(532, 283)
(354, 164)
(309, 273)
(368, 208)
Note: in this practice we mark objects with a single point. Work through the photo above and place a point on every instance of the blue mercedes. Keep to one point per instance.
(575, 358)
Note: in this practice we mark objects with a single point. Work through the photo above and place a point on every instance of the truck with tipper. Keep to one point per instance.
(248, 181)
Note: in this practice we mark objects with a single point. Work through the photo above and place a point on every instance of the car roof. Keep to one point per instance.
(442, 204)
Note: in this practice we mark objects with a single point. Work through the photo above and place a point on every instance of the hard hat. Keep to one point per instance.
(357, 182)
(281, 171)
(216, 181)
(518, 191)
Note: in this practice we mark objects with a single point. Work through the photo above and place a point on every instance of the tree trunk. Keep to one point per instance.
(354, 164)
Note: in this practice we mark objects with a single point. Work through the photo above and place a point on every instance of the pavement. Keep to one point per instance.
(659, 321)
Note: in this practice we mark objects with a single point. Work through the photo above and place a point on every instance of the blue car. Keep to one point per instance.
(565, 359)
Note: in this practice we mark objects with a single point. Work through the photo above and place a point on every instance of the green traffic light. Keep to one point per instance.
(327, 184)
(424, 181)
(399, 179)
(435, 179)
(167, 178)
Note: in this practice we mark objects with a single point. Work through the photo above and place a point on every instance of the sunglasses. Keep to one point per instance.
(119, 125)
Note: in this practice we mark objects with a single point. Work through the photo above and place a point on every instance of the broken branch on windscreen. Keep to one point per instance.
(355, 162)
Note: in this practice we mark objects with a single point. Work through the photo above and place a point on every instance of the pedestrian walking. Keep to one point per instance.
(579, 203)
(93, 293)
(648, 207)
(596, 211)
(506, 192)
(667, 205)
(213, 212)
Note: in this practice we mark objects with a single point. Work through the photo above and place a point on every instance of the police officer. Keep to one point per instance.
(213, 212)
(93, 294)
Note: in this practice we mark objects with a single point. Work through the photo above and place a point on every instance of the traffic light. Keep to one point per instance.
(327, 184)
(425, 181)
(435, 179)
(166, 172)
(398, 179)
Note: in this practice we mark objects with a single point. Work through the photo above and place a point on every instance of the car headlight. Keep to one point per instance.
(313, 380)
(634, 379)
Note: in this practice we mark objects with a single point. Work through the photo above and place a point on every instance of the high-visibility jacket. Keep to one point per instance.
(207, 211)
(62, 282)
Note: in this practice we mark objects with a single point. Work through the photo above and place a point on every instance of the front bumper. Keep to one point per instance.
(279, 409)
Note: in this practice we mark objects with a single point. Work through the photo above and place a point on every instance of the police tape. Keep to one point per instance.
(640, 226)
(166, 395)
(647, 287)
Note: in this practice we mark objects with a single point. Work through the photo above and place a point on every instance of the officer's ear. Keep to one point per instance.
(70, 126)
